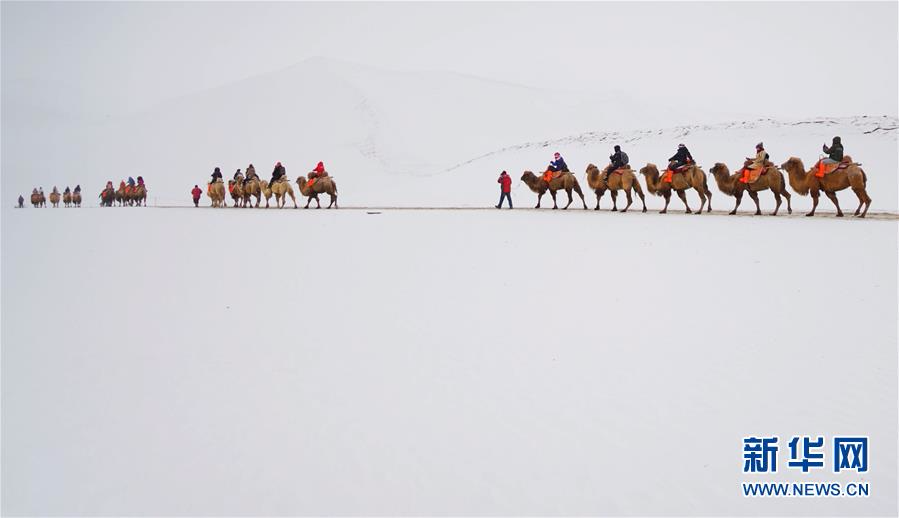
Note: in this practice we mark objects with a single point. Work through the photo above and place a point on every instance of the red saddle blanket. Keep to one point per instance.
(822, 169)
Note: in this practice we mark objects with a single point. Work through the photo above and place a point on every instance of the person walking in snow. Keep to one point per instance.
(505, 189)
(21, 202)
(196, 192)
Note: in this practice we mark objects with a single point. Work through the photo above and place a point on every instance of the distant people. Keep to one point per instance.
(681, 158)
(505, 189)
(67, 191)
(140, 181)
(278, 173)
(251, 173)
(130, 181)
(55, 190)
(21, 202)
(78, 188)
(34, 191)
(558, 163)
(237, 175)
(109, 184)
(41, 191)
(318, 171)
(216, 176)
(617, 160)
(196, 192)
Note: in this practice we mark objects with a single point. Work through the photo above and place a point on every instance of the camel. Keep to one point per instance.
(281, 190)
(54, 199)
(76, 198)
(693, 177)
(805, 183)
(216, 192)
(236, 191)
(67, 198)
(139, 195)
(120, 196)
(250, 188)
(325, 184)
(38, 200)
(625, 181)
(108, 197)
(266, 191)
(732, 186)
(565, 181)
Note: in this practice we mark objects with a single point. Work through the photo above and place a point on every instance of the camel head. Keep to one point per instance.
(719, 169)
(528, 177)
(794, 164)
(592, 169)
(649, 170)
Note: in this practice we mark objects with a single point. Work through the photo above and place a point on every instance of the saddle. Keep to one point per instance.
(668, 176)
(822, 169)
(753, 175)
(618, 170)
(549, 176)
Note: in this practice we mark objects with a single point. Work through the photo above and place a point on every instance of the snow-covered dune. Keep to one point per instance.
(392, 137)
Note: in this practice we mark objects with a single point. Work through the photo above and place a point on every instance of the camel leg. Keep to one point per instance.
(308, 201)
(755, 197)
(539, 197)
(630, 200)
(777, 201)
(833, 198)
(739, 196)
(863, 197)
(577, 189)
(667, 201)
(708, 195)
(814, 194)
(614, 195)
(317, 202)
(702, 199)
(683, 197)
(553, 194)
(568, 192)
(599, 194)
(786, 195)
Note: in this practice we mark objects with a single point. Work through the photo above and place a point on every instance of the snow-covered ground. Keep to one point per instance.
(194, 362)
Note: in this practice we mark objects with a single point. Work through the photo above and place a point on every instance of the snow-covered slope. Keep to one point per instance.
(391, 138)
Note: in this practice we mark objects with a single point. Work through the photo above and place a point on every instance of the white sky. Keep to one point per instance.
(763, 58)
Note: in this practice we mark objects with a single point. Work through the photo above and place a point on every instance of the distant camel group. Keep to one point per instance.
(849, 175)
(243, 191)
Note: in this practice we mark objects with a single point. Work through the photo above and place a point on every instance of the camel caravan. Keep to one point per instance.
(834, 172)
(131, 193)
(245, 187)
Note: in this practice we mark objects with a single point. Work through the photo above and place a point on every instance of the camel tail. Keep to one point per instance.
(864, 176)
(637, 187)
